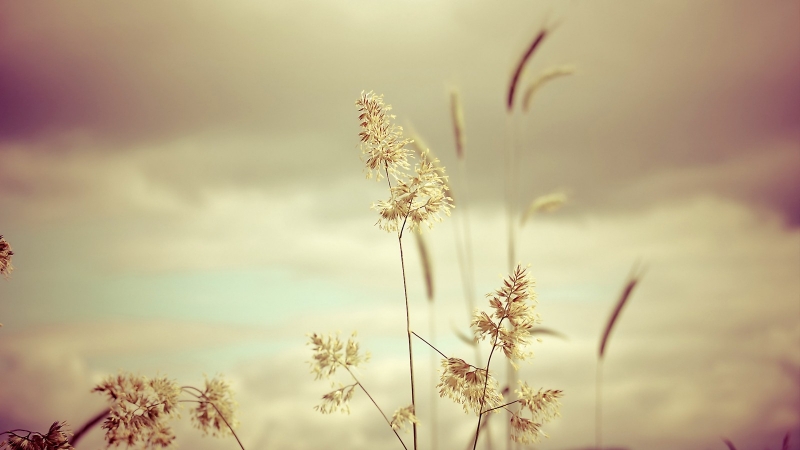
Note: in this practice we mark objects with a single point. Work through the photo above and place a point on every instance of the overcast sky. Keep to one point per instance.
(181, 185)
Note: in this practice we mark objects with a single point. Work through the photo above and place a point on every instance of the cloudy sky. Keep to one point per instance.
(181, 185)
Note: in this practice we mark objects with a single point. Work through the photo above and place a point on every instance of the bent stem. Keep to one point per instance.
(88, 426)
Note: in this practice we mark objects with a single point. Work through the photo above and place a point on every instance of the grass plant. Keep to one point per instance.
(417, 198)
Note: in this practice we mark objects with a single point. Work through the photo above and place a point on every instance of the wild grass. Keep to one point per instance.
(420, 198)
(139, 415)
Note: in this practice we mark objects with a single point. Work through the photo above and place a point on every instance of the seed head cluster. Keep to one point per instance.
(140, 409)
(415, 199)
(5, 257)
(515, 303)
(543, 407)
(403, 417)
(57, 438)
(464, 384)
(215, 408)
(330, 353)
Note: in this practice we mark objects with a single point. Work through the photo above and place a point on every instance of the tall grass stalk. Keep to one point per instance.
(633, 279)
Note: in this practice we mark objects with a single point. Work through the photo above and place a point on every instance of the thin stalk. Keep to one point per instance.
(408, 330)
(501, 406)
(485, 385)
(388, 422)
(434, 418)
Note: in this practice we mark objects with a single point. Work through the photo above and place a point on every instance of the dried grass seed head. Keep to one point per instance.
(330, 353)
(382, 142)
(403, 417)
(5, 257)
(215, 410)
(56, 438)
(140, 409)
(337, 399)
(464, 384)
(414, 201)
(515, 302)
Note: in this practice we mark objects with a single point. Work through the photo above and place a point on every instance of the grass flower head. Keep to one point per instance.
(5, 257)
(215, 409)
(514, 302)
(139, 410)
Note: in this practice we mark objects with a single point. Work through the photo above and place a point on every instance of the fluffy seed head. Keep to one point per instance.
(464, 384)
(140, 409)
(382, 142)
(215, 407)
(514, 302)
(5, 257)
(402, 417)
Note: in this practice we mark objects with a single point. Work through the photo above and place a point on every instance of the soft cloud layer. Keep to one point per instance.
(706, 348)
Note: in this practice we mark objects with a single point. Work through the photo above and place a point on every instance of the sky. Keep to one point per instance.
(182, 187)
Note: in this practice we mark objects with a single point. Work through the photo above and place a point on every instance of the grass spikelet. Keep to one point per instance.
(544, 203)
(633, 279)
(521, 65)
(543, 78)
(457, 115)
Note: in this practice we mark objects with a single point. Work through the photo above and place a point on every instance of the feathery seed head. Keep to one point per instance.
(402, 417)
(417, 200)
(139, 410)
(464, 384)
(330, 353)
(5, 257)
(523, 430)
(515, 301)
(382, 141)
(57, 438)
(215, 407)
(337, 399)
